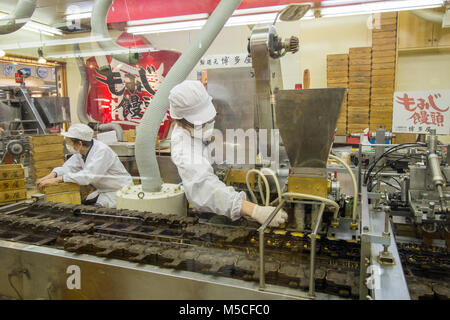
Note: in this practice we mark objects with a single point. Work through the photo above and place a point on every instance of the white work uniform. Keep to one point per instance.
(203, 189)
(102, 169)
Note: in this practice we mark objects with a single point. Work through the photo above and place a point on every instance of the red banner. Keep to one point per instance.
(122, 94)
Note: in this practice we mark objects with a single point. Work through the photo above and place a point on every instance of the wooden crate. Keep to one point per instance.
(13, 195)
(60, 187)
(65, 197)
(6, 185)
(44, 139)
(41, 156)
(58, 147)
(337, 77)
(129, 135)
(11, 171)
(40, 173)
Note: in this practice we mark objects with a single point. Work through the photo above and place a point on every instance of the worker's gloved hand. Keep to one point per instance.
(261, 214)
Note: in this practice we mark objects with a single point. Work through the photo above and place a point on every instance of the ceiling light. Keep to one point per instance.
(50, 43)
(167, 27)
(2, 53)
(98, 53)
(200, 16)
(382, 6)
(41, 56)
(41, 28)
(78, 16)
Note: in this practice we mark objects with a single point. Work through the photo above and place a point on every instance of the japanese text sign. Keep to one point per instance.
(419, 111)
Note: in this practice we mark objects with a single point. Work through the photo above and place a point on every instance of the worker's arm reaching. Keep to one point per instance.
(206, 193)
(94, 170)
(74, 164)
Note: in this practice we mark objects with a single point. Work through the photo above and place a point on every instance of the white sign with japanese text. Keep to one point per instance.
(224, 61)
(419, 111)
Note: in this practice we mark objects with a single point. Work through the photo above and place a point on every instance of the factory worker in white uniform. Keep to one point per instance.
(192, 109)
(92, 163)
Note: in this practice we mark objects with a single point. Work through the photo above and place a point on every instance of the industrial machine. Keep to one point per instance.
(22, 116)
(351, 233)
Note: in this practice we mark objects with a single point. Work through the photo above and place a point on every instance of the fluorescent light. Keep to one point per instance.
(41, 28)
(167, 27)
(251, 19)
(382, 6)
(78, 16)
(98, 53)
(196, 21)
(51, 43)
(200, 16)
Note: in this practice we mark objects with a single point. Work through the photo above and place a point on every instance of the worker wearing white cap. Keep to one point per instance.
(192, 109)
(92, 163)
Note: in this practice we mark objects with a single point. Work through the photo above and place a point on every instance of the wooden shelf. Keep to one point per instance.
(414, 51)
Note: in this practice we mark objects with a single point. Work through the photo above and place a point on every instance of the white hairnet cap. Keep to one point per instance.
(191, 101)
(79, 131)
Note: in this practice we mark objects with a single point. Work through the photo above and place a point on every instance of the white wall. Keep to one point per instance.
(318, 38)
(423, 71)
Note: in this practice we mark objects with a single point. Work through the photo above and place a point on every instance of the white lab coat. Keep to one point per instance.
(102, 169)
(203, 189)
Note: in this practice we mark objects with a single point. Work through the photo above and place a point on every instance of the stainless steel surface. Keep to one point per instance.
(32, 108)
(103, 278)
(294, 12)
(307, 123)
(312, 261)
(53, 110)
(234, 97)
(262, 281)
(7, 114)
(268, 77)
(123, 149)
(390, 280)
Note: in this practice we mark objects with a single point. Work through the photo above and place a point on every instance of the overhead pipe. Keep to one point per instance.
(100, 28)
(19, 17)
(103, 127)
(429, 15)
(83, 117)
(147, 130)
(83, 89)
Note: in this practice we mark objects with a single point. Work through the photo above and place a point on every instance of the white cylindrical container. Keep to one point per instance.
(170, 200)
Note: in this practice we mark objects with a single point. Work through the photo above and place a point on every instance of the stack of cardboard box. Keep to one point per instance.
(337, 77)
(384, 43)
(360, 60)
(12, 183)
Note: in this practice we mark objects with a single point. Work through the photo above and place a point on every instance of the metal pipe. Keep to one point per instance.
(19, 17)
(102, 127)
(429, 15)
(313, 252)
(355, 185)
(83, 89)
(262, 281)
(316, 198)
(100, 28)
(147, 130)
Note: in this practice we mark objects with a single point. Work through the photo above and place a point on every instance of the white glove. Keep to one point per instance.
(261, 214)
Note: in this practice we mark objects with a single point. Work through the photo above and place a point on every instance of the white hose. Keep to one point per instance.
(311, 197)
(355, 186)
(277, 183)
(266, 184)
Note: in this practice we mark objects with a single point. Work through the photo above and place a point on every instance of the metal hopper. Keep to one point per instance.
(307, 122)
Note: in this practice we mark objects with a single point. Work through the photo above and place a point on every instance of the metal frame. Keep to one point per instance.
(262, 284)
(392, 279)
(45, 276)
